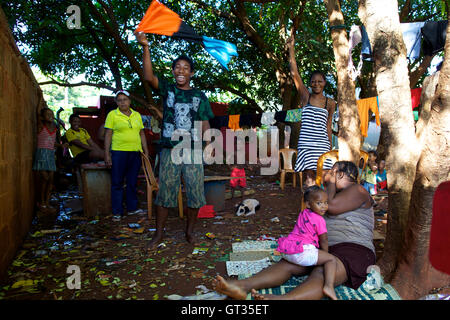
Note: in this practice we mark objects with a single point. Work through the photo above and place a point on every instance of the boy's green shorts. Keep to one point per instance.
(169, 182)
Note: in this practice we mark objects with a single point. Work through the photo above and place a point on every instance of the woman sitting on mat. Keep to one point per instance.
(350, 225)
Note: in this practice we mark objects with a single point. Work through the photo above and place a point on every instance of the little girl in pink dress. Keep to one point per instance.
(302, 245)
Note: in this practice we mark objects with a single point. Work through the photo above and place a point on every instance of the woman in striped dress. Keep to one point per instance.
(315, 131)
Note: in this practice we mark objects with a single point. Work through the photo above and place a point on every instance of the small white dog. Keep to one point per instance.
(247, 207)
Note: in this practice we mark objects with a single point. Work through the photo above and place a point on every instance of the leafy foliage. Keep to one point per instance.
(258, 75)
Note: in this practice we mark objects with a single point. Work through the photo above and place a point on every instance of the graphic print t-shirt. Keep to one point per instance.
(181, 108)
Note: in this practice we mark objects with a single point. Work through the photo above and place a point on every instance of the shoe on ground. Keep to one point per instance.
(116, 218)
(138, 211)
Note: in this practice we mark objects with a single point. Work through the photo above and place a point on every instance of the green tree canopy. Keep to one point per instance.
(105, 51)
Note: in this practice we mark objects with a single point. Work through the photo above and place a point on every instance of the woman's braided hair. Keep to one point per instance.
(348, 168)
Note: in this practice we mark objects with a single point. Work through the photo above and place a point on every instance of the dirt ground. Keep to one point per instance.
(112, 259)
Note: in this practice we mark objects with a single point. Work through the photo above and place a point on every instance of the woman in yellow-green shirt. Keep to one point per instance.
(124, 134)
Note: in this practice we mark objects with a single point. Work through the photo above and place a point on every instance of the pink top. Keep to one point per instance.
(307, 230)
(46, 139)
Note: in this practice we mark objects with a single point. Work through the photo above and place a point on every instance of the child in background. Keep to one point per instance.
(369, 180)
(302, 245)
(360, 167)
(44, 157)
(368, 177)
(381, 177)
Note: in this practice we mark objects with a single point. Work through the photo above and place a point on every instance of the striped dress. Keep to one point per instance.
(313, 139)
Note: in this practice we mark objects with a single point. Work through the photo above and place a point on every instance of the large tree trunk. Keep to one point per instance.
(349, 125)
(381, 20)
(415, 276)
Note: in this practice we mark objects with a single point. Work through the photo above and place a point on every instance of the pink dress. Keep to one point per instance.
(308, 228)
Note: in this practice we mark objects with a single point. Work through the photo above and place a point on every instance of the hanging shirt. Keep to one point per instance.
(434, 33)
(412, 38)
(364, 105)
(233, 121)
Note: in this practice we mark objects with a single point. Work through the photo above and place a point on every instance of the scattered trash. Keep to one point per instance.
(244, 221)
(115, 262)
(24, 283)
(265, 237)
(40, 252)
(210, 235)
(120, 237)
(51, 231)
(207, 296)
(200, 251)
(134, 225)
(139, 230)
(275, 219)
(161, 245)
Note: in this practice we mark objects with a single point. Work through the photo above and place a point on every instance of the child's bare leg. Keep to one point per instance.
(329, 263)
(272, 276)
(43, 180)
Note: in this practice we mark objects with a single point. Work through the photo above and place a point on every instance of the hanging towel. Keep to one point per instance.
(268, 118)
(434, 33)
(412, 38)
(233, 121)
(280, 116)
(294, 115)
(415, 97)
(364, 105)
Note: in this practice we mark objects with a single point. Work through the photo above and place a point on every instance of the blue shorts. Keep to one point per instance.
(169, 182)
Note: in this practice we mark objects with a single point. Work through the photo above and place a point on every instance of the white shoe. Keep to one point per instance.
(138, 211)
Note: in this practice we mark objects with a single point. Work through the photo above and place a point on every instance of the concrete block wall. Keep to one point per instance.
(20, 100)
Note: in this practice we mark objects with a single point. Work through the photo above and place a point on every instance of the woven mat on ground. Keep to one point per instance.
(373, 288)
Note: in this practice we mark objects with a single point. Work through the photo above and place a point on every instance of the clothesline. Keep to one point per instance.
(257, 120)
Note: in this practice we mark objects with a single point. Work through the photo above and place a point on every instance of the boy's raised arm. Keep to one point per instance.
(147, 63)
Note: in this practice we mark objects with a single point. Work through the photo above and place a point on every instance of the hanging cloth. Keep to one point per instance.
(161, 20)
(280, 116)
(256, 120)
(354, 39)
(415, 97)
(364, 105)
(434, 33)
(245, 120)
(233, 122)
(218, 122)
(268, 118)
(294, 115)
(412, 38)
